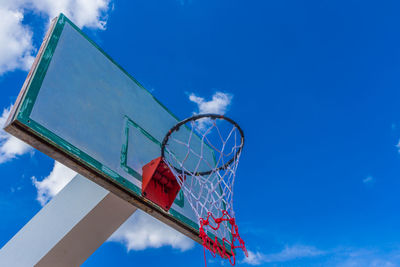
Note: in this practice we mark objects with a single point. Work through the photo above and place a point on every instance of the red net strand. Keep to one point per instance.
(214, 245)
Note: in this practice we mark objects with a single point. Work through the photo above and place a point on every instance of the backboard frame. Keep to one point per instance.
(23, 127)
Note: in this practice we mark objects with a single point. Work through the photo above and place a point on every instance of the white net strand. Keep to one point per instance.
(199, 152)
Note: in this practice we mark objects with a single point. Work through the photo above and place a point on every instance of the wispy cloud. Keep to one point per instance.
(10, 146)
(337, 257)
(185, 2)
(359, 257)
(294, 252)
(16, 46)
(288, 253)
(368, 180)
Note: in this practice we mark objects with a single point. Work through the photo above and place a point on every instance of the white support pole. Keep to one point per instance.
(69, 228)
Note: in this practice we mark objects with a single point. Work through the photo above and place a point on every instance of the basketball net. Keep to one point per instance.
(209, 193)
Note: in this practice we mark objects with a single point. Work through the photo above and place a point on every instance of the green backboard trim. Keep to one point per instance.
(124, 149)
(180, 199)
(41, 70)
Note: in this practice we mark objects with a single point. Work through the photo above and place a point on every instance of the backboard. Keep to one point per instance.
(84, 110)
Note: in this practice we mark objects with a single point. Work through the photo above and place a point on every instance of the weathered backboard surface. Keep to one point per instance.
(81, 108)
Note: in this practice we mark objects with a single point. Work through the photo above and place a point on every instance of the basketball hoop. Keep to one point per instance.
(203, 153)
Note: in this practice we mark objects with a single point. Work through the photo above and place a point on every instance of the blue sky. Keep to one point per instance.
(314, 85)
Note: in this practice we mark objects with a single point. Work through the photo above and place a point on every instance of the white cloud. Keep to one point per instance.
(59, 177)
(142, 231)
(369, 180)
(218, 104)
(16, 47)
(289, 253)
(10, 146)
(84, 13)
